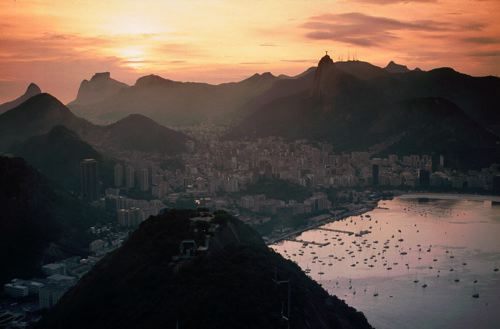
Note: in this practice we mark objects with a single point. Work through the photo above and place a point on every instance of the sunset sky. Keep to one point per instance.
(58, 43)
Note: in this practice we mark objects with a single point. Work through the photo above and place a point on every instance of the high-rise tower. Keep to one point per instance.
(89, 179)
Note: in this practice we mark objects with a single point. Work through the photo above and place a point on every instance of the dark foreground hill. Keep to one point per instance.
(232, 284)
(34, 215)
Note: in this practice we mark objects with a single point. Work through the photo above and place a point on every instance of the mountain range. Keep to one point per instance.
(183, 103)
(352, 104)
(168, 102)
(42, 112)
(357, 106)
(228, 279)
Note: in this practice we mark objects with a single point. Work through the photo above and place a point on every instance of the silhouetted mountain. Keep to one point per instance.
(148, 283)
(361, 70)
(58, 154)
(36, 214)
(36, 116)
(100, 87)
(140, 133)
(393, 67)
(437, 125)
(31, 91)
(176, 103)
(476, 96)
(39, 114)
(355, 114)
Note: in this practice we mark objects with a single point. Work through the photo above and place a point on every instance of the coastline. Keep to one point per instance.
(450, 196)
(332, 219)
(370, 207)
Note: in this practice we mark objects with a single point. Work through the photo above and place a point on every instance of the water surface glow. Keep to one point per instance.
(420, 266)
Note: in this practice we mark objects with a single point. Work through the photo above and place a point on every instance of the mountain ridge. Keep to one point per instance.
(31, 91)
(357, 113)
(39, 114)
(57, 155)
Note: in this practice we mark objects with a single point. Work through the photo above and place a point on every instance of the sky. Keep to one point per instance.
(58, 43)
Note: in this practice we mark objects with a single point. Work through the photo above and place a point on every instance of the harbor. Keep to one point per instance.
(439, 255)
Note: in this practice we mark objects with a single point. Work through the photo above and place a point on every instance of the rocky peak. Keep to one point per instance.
(325, 61)
(101, 76)
(393, 67)
(151, 80)
(98, 88)
(32, 90)
(325, 65)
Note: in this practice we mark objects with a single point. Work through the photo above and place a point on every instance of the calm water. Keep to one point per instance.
(418, 268)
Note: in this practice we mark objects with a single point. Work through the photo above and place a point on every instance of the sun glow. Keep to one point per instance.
(133, 56)
(134, 26)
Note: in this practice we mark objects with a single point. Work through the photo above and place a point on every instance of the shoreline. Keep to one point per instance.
(368, 208)
(332, 219)
(450, 196)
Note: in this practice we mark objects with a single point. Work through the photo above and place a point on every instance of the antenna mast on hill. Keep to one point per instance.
(285, 311)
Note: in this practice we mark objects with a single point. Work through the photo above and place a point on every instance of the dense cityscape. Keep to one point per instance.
(278, 187)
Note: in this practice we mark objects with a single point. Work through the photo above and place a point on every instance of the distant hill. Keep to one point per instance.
(39, 114)
(338, 103)
(98, 88)
(230, 285)
(140, 133)
(393, 67)
(476, 96)
(36, 116)
(58, 154)
(31, 91)
(362, 70)
(436, 125)
(174, 103)
(35, 215)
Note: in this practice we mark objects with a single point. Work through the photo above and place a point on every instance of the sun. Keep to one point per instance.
(132, 56)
